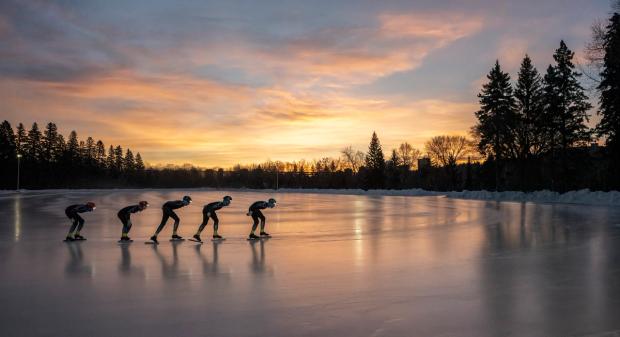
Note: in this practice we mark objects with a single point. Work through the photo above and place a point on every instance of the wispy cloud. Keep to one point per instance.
(216, 83)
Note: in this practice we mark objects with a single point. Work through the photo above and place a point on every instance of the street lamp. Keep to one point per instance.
(19, 157)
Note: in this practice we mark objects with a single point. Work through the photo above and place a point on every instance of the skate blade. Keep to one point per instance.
(176, 240)
(123, 241)
(151, 243)
(194, 240)
(218, 240)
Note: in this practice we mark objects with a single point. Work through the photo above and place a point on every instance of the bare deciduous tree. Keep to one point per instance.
(448, 150)
(408, 155)
(352, 158)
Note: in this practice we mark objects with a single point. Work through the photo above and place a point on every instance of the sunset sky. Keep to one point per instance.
(215, 83)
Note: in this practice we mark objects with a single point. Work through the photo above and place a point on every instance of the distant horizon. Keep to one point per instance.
(219, 84)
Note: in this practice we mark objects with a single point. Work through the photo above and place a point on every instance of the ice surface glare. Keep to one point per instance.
(338, 265)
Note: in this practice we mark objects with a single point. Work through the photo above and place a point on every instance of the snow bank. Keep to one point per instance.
(416, 192)
(585, 197)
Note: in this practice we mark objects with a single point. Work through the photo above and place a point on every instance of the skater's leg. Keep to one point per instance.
(216, 223)
(164, 219)
(262, 222)
(124, 220)
(80, 221)
(176, 222)
(205, 220)
(74, 225)
(255, 224)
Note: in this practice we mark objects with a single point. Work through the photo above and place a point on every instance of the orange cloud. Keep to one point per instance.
(305, 110)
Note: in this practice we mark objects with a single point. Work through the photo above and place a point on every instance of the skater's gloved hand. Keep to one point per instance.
(248, 213)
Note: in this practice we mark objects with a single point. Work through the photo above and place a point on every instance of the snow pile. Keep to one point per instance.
(416, 192)
(585, 197)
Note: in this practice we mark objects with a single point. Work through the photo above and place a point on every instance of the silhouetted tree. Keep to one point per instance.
(100, 154)
(354, 159)
(609, 89)
(530, 133)
(448, 151)
(33, 145)
(21, 138)
(408, 155)
(129, 163)
(497, 118)
(110, 160)
(529, 95)
(375, 164)
(118, 158)
(566, 108)
(50, 143)
(7, 142)
(139, 162)
(392, 170)
(73, 147)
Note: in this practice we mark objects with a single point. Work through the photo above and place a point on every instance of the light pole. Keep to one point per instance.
(19, 157)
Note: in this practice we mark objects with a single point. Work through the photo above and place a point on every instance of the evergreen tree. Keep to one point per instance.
(61, 145)
(609, 87)
(110, 160)
(609, 100)
(21, 138)
(139, 162)
(50, 143)
(90, 152)
(8, 149)
(375, 163)
(129, 161)
(566, 102)
(73, 146)
(33, 146)
(100, 154)
(118, 158)
(566, 111)
(529, 95)
(497, 119)
(393, 173)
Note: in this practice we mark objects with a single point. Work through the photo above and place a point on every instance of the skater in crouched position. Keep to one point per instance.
(73, 213)
(256, 214)
(125, 216)
(168, 212)
(208, 212)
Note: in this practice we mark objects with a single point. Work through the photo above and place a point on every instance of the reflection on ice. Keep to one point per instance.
(76, 266)
(337, 266)
(259, 265)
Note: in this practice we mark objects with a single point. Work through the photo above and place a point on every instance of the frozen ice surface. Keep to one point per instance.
(338, 265)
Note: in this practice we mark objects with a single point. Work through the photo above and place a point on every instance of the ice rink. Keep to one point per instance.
(337, 265)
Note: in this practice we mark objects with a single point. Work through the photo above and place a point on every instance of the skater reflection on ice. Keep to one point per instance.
(125, 266)
(210, 267)
(258, 265)
(169, 270)
(75, 265)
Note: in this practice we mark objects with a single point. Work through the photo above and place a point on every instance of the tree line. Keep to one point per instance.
(47, 160)
(530, 134)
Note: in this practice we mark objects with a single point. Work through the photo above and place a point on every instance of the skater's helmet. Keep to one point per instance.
(91, 205)
(187, 199)
(271, 202)
(143, 204)
(227, 200)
